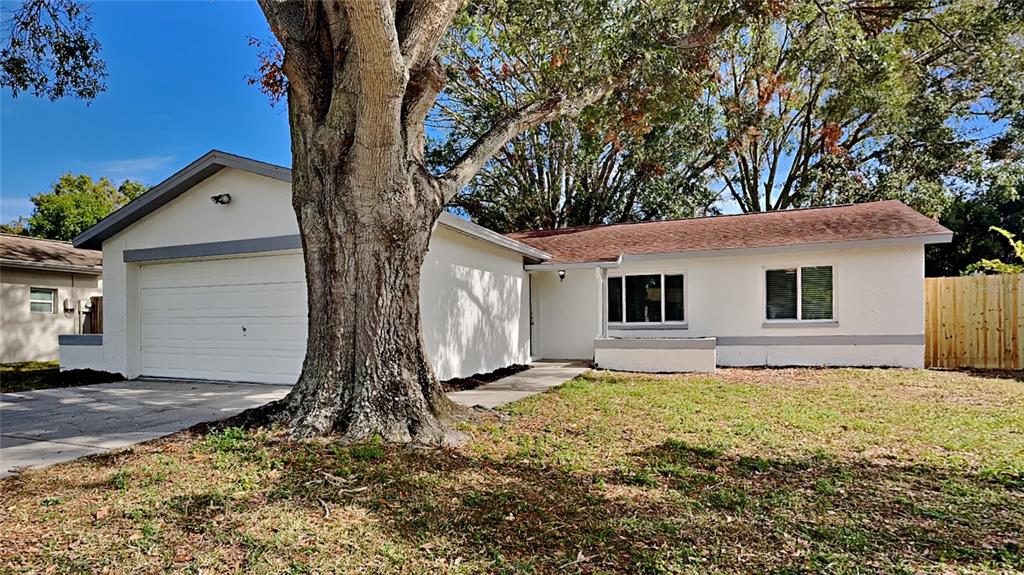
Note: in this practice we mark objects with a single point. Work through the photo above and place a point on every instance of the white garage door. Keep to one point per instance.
(239, 319)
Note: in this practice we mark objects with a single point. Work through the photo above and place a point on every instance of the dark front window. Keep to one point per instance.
(643, 298)
(674, 298)
(781, 290)
(799, 293)
(615, 299)
(816, 292)
(648, 298)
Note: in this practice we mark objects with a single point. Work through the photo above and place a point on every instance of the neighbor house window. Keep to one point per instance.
(648, 298)
(799, 293)
(41, 300)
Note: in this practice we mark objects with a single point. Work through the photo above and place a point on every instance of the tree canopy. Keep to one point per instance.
(832, 106)
(72, 204)
(639, 154)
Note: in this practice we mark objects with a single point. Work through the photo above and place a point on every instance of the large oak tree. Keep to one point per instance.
(362, 77)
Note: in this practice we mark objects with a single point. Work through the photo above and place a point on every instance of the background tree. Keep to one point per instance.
(998, 266)
(834, 105)
(362, 77)
(613, 163)
(75, 203)
(17, 227)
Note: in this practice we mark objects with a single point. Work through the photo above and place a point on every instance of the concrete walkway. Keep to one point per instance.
(40, 428)
(542, 376)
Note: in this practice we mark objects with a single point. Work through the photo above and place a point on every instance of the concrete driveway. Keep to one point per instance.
(40, 428)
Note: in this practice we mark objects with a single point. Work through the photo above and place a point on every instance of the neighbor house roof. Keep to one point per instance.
(213, 162)
(868, 222)
(36, 253)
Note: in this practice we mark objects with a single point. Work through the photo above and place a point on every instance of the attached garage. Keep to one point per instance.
(235, 319)
(215, 290)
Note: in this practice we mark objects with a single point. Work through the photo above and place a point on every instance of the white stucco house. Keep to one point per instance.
(203, 278)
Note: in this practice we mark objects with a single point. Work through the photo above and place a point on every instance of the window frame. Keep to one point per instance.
(799, 295)
(52, 301)
(633, 324)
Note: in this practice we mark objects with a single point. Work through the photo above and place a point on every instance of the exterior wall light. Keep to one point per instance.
(561, 275)
(221, 199)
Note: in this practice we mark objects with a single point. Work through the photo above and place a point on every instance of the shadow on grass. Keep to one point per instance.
(675, 507)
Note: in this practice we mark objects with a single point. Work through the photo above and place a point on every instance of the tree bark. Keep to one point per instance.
(362, 75)
(366, 372)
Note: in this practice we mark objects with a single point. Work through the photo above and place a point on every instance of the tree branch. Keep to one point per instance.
(478, 154)
(530, 116)
(421, 25)
(381, 71)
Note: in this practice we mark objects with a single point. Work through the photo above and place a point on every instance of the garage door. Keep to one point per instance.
(239, 319)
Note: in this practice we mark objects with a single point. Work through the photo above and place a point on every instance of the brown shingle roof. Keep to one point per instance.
(47, 254)
(858, 222)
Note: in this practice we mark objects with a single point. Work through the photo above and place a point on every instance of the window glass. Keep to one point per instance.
(614, 299)
(780, 289)
(41, 300)
(643, 298)
(674, 298)
(816, 292)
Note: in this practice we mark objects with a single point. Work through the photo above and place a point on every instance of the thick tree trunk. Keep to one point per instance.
(362, 78)
(365, 228)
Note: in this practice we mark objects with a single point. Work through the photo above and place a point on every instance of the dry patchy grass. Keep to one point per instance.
(749, 471)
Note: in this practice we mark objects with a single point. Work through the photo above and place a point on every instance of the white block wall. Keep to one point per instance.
(878, 291)
(474, 296)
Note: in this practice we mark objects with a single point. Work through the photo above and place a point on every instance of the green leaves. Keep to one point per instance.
(74, 203)
(51, 51)
(640, 153)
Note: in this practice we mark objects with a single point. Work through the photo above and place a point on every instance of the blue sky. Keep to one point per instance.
(176, 89)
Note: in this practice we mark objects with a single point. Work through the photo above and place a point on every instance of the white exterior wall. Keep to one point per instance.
(878, 291)
(82, 357)
(474, 301)
(567, 314)
(260, 207)
(32, 336)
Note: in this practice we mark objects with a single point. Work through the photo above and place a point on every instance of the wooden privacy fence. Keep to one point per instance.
(974, 321)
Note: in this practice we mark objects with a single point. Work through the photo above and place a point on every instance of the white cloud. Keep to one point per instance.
(134, 168)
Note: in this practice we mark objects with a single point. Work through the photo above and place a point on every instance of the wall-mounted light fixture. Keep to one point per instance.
(561, 275)
(221, 199)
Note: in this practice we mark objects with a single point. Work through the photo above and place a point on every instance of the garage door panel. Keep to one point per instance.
(241, 319)
(227, 301)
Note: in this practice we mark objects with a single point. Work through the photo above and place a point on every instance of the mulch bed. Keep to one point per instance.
(476, 380)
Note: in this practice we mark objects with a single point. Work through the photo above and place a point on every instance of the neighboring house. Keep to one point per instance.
(204, 278)
(45, 286)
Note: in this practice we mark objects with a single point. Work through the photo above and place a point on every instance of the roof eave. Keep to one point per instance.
(552, 266)
(921, 239)
(40, 266)
(479, 232)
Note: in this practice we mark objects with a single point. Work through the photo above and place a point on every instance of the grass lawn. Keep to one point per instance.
(748, 471)
(32, 375)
